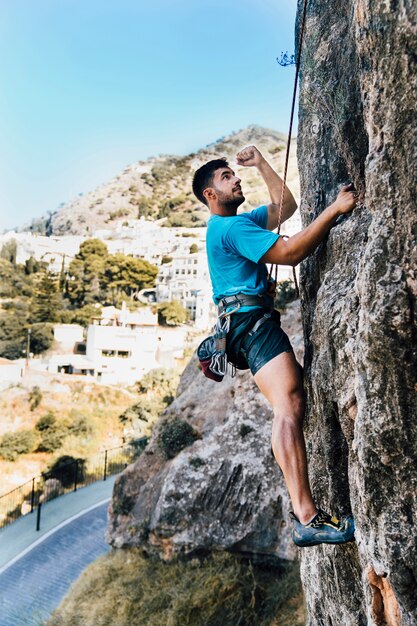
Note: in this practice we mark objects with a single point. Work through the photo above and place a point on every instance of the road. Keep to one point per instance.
(34, 585)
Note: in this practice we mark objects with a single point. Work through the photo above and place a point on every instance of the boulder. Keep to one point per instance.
(223, 490)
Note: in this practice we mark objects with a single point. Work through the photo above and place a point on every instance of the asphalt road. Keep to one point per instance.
(34, 585)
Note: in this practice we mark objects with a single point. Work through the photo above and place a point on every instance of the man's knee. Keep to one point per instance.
(291, 408)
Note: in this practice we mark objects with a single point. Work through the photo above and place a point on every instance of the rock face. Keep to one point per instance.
(224, 491)
(358, 122)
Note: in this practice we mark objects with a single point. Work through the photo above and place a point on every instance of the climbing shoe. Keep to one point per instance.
(323, 528)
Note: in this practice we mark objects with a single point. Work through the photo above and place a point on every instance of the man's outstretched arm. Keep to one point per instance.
(251, 157)
(300, 245)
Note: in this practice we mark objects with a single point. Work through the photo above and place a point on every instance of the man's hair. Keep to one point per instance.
(203, 177)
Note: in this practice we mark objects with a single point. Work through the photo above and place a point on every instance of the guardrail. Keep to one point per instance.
(68, 476)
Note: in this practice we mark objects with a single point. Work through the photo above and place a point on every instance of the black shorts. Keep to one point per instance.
(252, 351)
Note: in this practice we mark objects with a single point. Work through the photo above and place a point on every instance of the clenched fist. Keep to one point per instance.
(249, 157)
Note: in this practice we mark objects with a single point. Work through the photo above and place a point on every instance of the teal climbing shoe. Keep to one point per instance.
(323, 528)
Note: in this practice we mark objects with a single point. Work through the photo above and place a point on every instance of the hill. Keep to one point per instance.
(160, 187)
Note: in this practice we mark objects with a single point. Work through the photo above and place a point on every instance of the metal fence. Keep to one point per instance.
(66, 475)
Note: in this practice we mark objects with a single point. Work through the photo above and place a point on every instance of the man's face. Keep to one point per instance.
(227, 187)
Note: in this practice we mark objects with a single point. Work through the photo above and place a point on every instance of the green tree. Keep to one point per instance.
(32, 266)
(86, 273)
(47, 300)
(171, 313)
(128, 275)
(14, 281)
(92, 247)
(85, 314)
(41, 337)
(193, 248)
(46, 422)
(62, 277)
(9, 251)
(144, 205)
(13, 329)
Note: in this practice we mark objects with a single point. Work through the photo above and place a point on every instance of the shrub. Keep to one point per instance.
(35, 398)
(52, 439)
(46, 422)
(80, 426)
(196, 462)
(63, 469)
(244, 430)
(13, 445)
(286, 293)
(52, 433)
(175, 435)
(145, 410)
(193, 248)
(161, 380)
(171, 313)
(126, 587)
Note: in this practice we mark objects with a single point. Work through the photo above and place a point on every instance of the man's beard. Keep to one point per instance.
(229, 203)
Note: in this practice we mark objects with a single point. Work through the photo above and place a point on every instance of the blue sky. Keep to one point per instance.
(90, 86)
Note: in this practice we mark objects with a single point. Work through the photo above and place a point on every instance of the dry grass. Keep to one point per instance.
(68, 400)
(124, 588)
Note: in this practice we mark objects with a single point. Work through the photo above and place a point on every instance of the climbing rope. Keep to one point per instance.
(287, 152)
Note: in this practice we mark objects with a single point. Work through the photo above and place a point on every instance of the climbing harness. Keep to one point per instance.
(287, 152)
(212, 350)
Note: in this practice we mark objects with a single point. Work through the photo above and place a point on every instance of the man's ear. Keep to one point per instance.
(209, 193)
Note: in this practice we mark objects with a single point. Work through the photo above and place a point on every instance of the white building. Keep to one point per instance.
(68, 334)
(11, 372)
(186, 279)
(123, 345)
(121, 354)
(53, 250)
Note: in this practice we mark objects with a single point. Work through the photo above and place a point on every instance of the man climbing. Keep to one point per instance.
(238, 247)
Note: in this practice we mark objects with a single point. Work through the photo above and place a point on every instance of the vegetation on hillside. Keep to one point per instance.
(33, 298)
(94, 275)
(126, 588)
(160, 188)
(42, 424)
(157, 389)
(171, 313)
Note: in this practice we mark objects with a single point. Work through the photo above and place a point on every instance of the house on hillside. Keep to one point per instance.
(11, 372)
(186, 279)
(123, 345)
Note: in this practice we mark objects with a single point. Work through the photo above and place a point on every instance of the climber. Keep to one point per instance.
(238, 247)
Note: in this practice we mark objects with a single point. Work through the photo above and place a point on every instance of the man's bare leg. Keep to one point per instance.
(280, 382)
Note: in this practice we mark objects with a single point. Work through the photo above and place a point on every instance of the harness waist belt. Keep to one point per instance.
(243, 299)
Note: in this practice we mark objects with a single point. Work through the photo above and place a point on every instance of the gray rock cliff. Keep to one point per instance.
(223, 490)
(358, 123)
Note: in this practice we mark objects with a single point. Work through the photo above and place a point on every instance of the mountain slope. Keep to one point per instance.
(160, 187)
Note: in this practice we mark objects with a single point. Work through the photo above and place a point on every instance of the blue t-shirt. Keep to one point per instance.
(234, 246)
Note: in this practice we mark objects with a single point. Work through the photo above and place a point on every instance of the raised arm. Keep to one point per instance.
(251, 157)
(300, 245)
